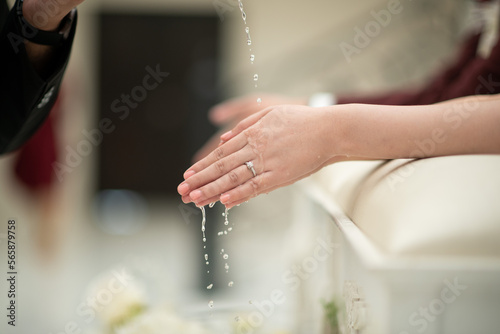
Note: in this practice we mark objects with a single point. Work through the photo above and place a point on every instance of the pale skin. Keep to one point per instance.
(230, 112)
(52, 13)
(289, 142)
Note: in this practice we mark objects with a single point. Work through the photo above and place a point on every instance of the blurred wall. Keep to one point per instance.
(297, 49)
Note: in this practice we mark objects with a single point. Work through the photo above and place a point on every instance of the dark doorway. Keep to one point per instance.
(156, 121)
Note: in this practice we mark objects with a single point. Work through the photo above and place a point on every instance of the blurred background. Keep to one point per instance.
(126, 140)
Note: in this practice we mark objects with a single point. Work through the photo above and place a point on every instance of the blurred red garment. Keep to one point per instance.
(469, 74)
(33, 166)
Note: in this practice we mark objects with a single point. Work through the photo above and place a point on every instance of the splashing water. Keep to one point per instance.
(203, 220)
(249, 43)
(226, 215)
(249, 39)
(243, 14)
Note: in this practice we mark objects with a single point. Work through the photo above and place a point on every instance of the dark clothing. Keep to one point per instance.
(25, 97)
(469, 74)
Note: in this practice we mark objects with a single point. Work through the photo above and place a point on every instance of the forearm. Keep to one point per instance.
(463, 126)
(47, 16)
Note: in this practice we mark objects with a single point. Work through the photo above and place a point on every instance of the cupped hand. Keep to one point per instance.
(285, 143)
(228, 113)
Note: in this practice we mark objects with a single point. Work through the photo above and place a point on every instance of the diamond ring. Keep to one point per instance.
(250, 167)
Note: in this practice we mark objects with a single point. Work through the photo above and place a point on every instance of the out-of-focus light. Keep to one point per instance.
(120, 212)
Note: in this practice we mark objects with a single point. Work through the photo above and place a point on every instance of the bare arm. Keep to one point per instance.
(45, 15)
(288, 143)
(469, 125)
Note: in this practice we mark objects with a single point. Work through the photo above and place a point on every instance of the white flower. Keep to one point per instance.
(160, 321)
(117, 297)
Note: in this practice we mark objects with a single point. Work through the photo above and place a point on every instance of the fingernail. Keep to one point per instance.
(195, 195)
(226, 136)
(189, 173)
(225, 198)
(183, 189)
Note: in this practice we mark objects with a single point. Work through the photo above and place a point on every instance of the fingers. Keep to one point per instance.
(244, 124)
(219, 153)
(219, 172)
(209, 146)
(210, 192)
(264, 183)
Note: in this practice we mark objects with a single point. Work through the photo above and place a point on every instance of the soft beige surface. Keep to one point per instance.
(439, 206)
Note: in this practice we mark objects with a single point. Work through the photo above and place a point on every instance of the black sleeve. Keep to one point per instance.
(25, 97)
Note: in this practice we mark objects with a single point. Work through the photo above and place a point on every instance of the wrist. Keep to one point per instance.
(338, 120)
(45, 16)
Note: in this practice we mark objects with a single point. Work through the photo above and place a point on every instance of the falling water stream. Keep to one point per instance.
(223, 253)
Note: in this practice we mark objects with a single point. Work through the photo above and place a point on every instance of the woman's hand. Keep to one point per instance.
(285, 143)
(228, 113)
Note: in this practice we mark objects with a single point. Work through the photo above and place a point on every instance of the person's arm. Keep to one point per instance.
(53, 13)
(31, 73)
(288, 143)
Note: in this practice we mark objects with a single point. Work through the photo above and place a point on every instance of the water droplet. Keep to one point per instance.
(225, 232)
(225, 256)
(255, 77)
(205, 247)
(205, 240)
(230, 229)
(250, 302)
(211, 304)
(204, 219)
(240, 4)
(244, 16)
(207, 263)
(230, 284)
(237, 319)
(259, 101)
(210, 286)
(226, 266)
(252, 58)
(249, 39)
(222, 250)
(206, 257)
(220, 233)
